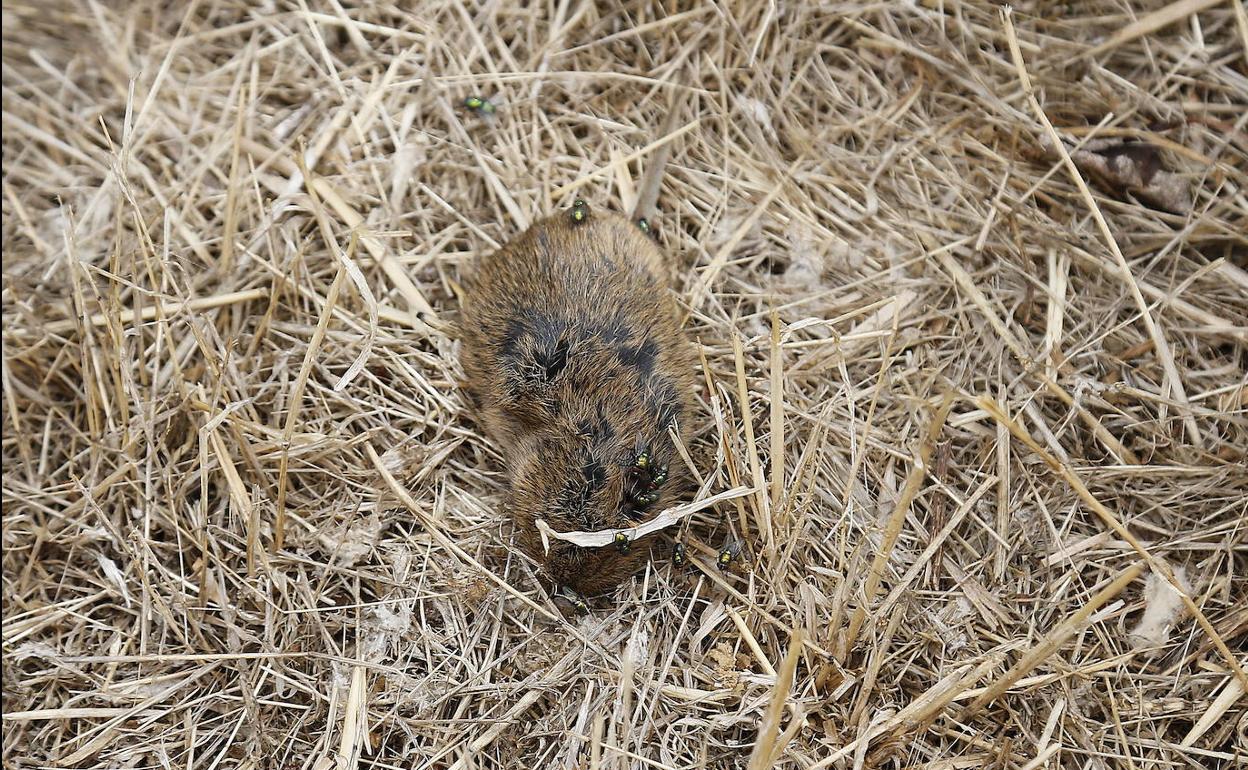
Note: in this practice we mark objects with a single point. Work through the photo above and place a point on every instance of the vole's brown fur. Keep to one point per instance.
(576, 363)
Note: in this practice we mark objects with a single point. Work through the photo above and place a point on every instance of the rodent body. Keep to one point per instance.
(577, 367)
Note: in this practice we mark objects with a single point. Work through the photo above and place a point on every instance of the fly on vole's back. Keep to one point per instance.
(578, 369)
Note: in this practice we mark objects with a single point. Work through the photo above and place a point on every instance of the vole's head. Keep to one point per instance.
(582, 476)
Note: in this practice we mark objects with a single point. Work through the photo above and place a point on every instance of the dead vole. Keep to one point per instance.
(577, 368)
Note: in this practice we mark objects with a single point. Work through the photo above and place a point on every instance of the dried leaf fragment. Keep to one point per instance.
(1129, 166)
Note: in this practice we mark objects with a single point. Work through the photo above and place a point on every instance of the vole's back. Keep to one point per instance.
(576, 362)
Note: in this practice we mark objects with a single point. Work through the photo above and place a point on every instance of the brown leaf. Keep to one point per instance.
(1128, 166)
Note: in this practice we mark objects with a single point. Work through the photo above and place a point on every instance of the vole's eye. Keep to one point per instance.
(646, 475)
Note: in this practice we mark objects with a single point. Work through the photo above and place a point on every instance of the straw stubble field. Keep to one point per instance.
(971, 300)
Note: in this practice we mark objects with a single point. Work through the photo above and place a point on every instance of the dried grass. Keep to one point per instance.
(987, 411)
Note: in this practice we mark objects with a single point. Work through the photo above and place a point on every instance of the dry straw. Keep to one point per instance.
(975, 401)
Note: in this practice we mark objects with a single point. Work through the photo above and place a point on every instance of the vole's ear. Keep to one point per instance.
(535, 353)
(550, 359)
(529, 375)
